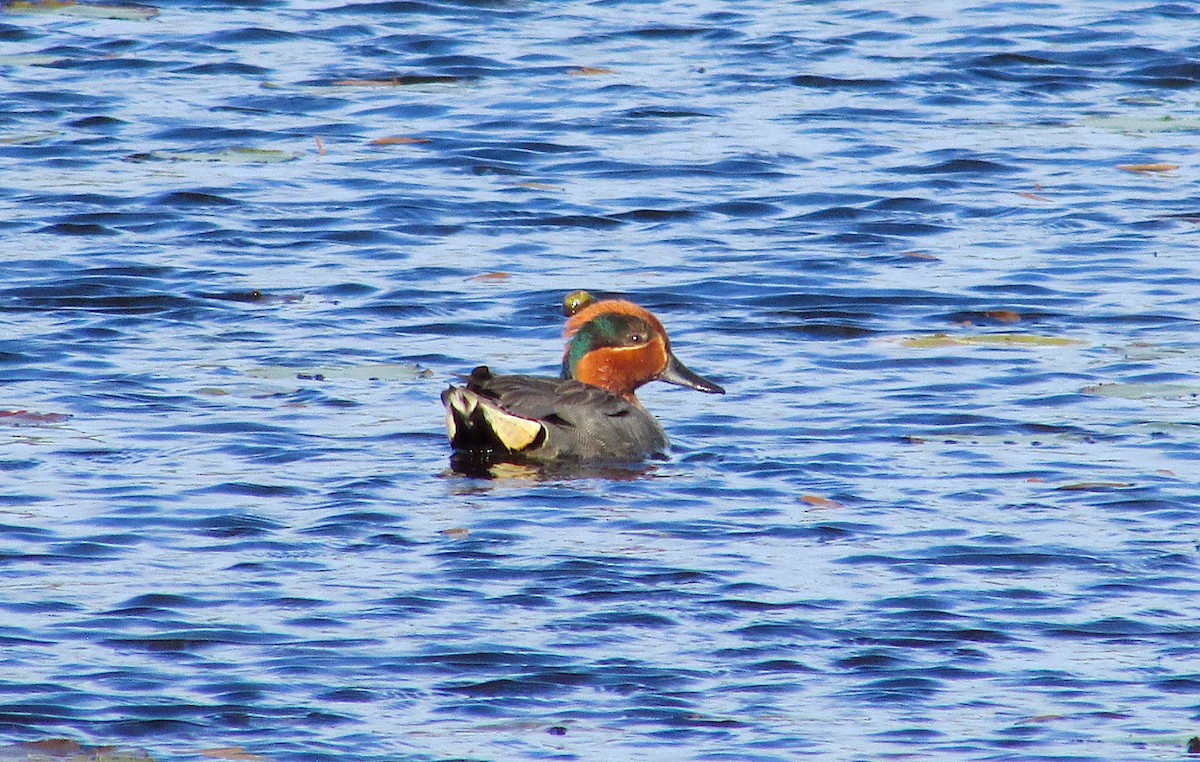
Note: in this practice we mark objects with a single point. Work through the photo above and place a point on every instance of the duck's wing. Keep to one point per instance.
(554, 399)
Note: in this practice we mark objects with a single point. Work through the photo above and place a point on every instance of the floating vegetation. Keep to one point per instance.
(1142, 351)
(1143, 391)
(1007, 439)
(225, 155)
(1093, 486)
(1140, 124)
(993, 340)
(380, 372)
(538, 186)
(66, 750)
(406, 80)
(418, 82)
(1148, 169)
(28, 138)
(84, 10)
(493, 277)
(29, 59)
(232, 753)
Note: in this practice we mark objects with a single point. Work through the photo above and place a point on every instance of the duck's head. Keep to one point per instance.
(618, 346)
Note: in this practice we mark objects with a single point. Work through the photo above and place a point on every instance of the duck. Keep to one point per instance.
(588, 414)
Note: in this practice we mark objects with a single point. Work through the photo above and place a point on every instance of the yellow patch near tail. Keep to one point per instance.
(479, 418)
(514, 433)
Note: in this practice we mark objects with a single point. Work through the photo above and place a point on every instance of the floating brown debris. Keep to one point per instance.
(26, 418)
(398, 140)
(1148, 169)
(819, 503)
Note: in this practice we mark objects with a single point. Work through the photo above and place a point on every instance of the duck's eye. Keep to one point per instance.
(637, 338)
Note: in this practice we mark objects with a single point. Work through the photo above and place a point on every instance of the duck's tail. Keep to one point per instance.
(476, 423)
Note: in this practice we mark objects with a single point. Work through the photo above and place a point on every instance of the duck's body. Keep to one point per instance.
(548, 419)
(591, 413)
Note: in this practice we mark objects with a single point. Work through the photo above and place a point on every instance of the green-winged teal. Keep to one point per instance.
(590, 413)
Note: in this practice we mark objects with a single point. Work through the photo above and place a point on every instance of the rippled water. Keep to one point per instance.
(949, 507)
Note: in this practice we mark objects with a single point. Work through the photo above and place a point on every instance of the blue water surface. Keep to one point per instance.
(943, 258)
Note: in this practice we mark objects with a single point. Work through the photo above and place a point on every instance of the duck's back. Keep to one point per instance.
(578, 422)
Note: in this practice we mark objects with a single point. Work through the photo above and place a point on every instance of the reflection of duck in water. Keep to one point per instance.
(591, 413)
